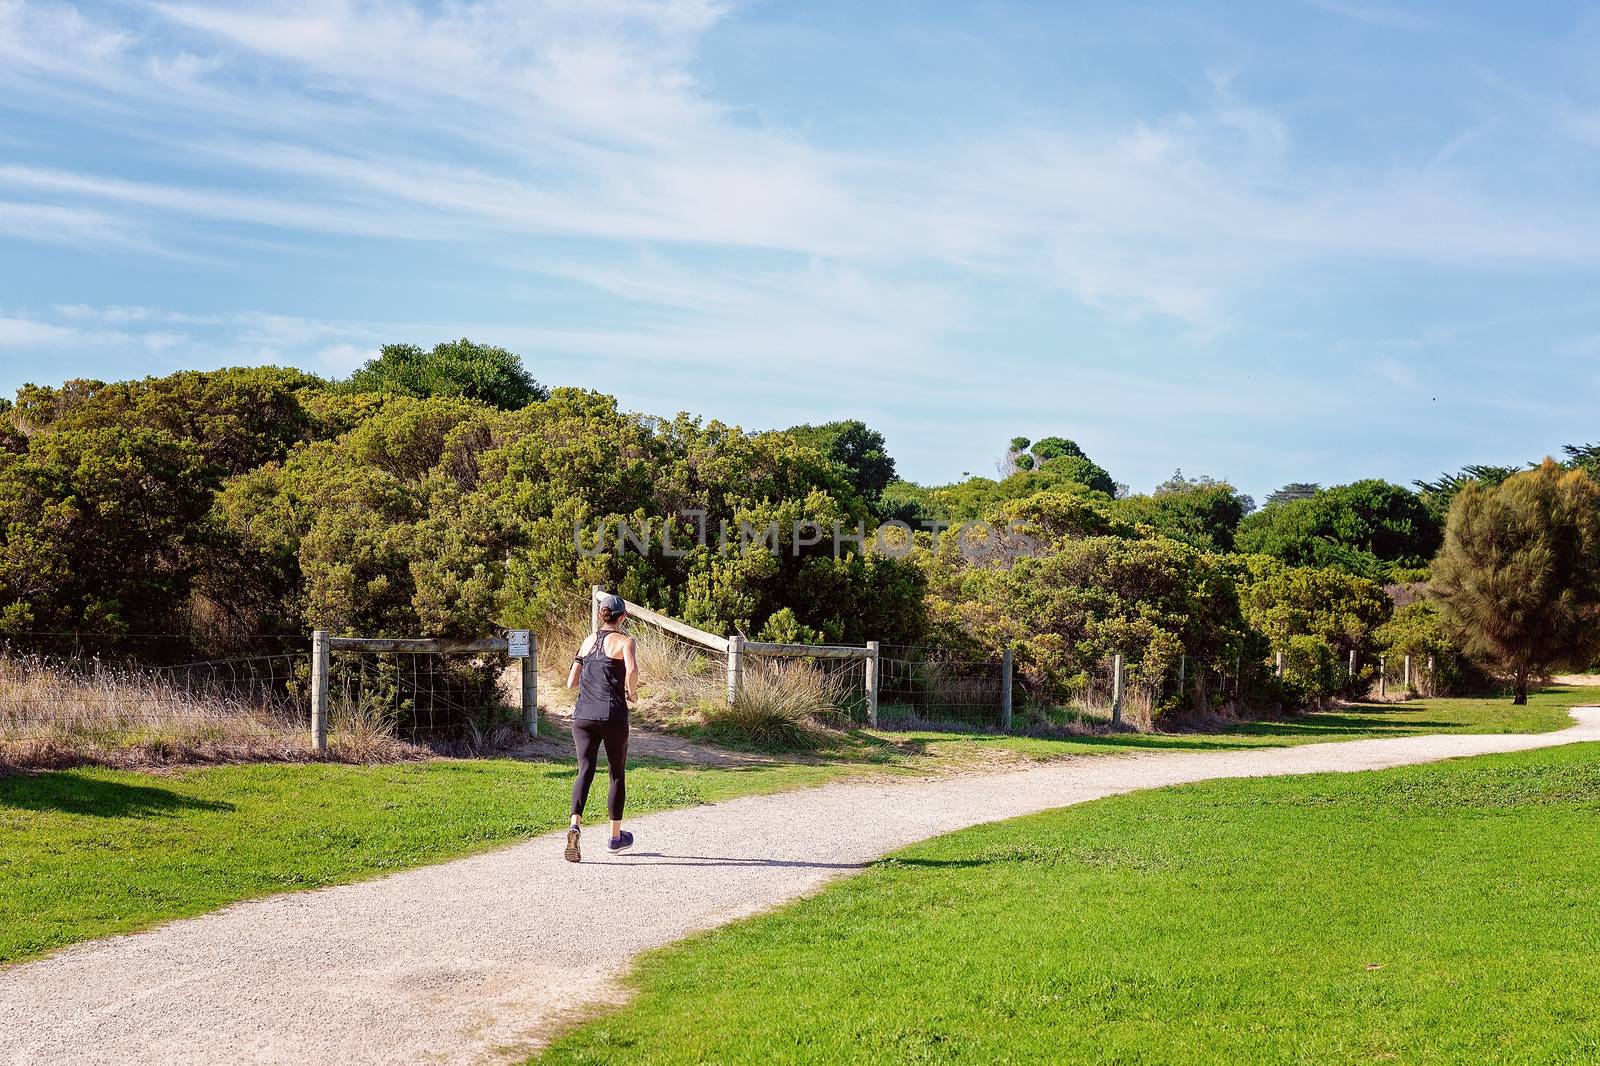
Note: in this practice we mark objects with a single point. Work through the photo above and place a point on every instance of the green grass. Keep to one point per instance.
(1438, 914)
(91, 852)
(1545, 711)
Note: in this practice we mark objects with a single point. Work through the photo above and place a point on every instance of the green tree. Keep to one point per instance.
(1418, 630)
(1049, 448)
(1284, 602)
(1367, 527)
(1518, 578)
(1023, 455)
(97, 530)
(442, 516)
(454, 368)
(1585, 457)
(908, 502)
(1294, 490)
(1202, 512)
(859, 451)
(239, 418)
(1438, 494)
(978, 497)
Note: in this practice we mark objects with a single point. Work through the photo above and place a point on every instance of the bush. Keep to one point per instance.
(455, 368)
(1417, 630)
(1366, 528)
(1340, 610)
(1312, 670)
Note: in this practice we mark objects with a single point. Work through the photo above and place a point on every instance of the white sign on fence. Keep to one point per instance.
(517, 643)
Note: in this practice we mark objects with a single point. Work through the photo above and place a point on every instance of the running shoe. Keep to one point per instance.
(621, 843)
(572, 844)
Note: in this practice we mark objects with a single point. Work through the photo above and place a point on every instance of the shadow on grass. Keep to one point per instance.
(944, 864)
(71, 793)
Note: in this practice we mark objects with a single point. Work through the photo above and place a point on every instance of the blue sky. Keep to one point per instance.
(1313, 240)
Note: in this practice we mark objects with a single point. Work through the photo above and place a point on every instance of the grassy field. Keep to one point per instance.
(1440, 914)
(1546, 710)
(92, 852)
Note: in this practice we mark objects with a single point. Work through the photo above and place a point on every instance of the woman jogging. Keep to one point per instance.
(607, 678)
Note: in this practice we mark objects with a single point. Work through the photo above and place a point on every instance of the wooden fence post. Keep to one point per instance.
(1183, 668)
(1005, 688)
(1408, 675)
(1116, 691)
(1433, 685)
(530, 688)
(319, 690)
(1350, 670)
(872, 683)
(1383, 676)
(594, 608)
(735, 666)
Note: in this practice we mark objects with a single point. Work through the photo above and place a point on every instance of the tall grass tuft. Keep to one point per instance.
(782, 706)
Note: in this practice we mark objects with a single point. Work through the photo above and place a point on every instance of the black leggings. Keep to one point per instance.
(587, 737)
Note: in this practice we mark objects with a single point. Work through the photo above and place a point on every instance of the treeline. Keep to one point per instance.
(446, 492)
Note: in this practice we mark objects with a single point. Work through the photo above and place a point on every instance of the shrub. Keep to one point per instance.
(455, 368)
(1365, 528)
(1339, 609)
(1312, 670)
(1418, 631)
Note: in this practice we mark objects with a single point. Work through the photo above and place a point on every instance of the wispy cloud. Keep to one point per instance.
(1378, 15)
(577, 182)
(15, 331)
(471, 122)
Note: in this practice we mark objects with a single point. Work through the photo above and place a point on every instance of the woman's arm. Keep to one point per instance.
(632, 666)
(572, 674)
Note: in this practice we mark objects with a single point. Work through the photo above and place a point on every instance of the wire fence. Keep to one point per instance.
(81, 695)
(98, 691)
(42, 696)
(686, 675)
(920, 684)
(926, 685)
(423, 698)
(120, 698)
(1404, 676)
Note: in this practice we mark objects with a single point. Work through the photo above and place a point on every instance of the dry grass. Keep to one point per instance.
(959, 684)
(1138, 706)
(53, 716)
(675, 677)
(782, 705)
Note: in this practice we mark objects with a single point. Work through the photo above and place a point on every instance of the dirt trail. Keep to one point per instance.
(485, 958)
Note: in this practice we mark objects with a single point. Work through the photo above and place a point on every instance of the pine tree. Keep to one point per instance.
(1518, 578)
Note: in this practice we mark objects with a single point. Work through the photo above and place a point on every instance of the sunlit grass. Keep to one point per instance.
(90, 852)
(1447, 913)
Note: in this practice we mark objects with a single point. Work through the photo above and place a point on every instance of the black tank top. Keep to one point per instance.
(602, 684)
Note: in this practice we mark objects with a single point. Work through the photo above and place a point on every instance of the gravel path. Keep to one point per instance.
(484, 958)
